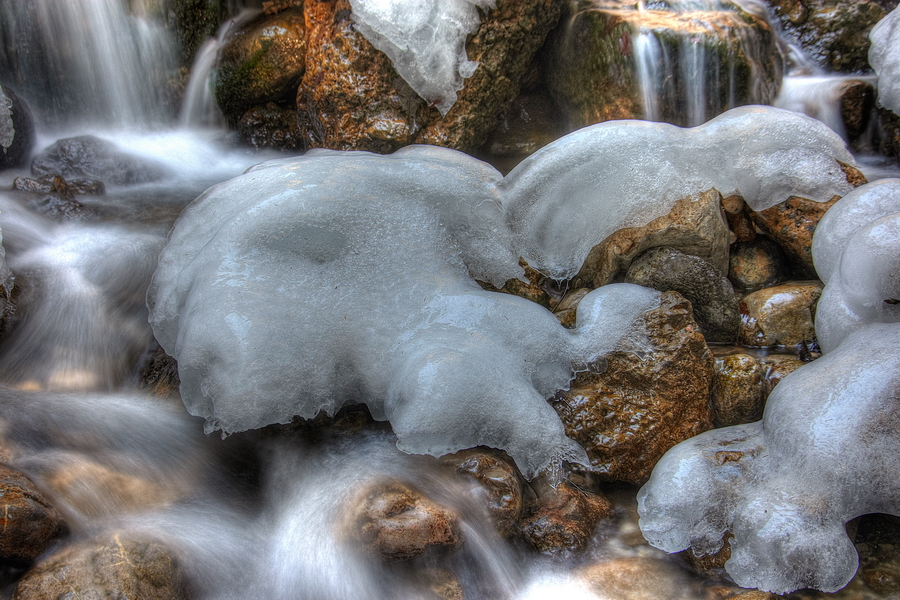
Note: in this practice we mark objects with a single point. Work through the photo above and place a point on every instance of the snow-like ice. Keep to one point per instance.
(855, 252)
(884, 57)
(785, 486)
(338, 277)
(425, 40)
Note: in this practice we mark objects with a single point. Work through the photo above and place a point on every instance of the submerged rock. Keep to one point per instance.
(498, 482)
(638, 578)
(113, 567)
(563, 518)
(96, 158)
(31, 525)
(653, 393)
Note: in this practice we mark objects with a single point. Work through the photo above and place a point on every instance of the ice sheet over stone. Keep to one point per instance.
(784, 487)
(855, 253)
(425, 40)
(626, 173)
(884, 56)
(339, 277)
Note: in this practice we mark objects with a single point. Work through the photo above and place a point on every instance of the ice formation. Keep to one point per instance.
(884, 56)
(340, 277)
(855, 253)
(785, 486)
(425, 40)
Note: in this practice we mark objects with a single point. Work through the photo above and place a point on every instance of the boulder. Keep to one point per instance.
(783, 315)
(498, 486)
(653, 394)
(739, 390)
(757, 263)
(610, 52)
(95, 158)
(261, 62)
(834, 33)
(270, 126)
(711, 294)
(31, 525)
(563, 518)
(16, 130)
(351, 98)
(393, 521)
(117, 566)
(696, 225)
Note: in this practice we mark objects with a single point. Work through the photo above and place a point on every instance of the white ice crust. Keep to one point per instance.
(425, 40)
(785, 486)
(884, 57)
(855, 251)
(339, 277)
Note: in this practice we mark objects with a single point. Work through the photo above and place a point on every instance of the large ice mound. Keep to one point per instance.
(785, 486)
(855, 251)
(884, 56)
(425, 40)
(338, 277)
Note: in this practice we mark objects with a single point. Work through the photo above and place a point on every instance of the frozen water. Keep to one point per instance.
(313, 282)
(425, 40)
(854, 250)
(884, 56)
(785, 486)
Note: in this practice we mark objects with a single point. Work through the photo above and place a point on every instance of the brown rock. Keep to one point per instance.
(791, 225)
(738, 215)
(396, 522)
(888, 133)
(270, 126)
(696, 225)
(639, 578)
(564, 518)
(739, 390)
(857, 103)
(106, 569)
(498, 484)
(30, 523)
(782, 315)
(779, 366)
(756, 264)
(261, 62)
(566, 310)
(883, 581)
(648, 399)
(351, 98)
(754, 595)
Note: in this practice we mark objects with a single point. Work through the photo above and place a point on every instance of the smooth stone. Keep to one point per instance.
(394, 521)
(757, 263)
(651, 396)
(739, 390)
(498, 486)
(779, 316)
(115, 567)
(563, 519)
(638, 578)
(31, 524)
(779, 366)
(709, 290)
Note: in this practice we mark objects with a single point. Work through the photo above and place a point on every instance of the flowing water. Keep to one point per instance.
(251, 516)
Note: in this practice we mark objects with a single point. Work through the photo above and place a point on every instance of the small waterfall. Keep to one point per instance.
(87, 61)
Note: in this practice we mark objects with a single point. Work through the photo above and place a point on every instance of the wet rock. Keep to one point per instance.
(791, 224)
(160, 374)
(499, 486)
(739, 390)
(261, 62)
(653, 394)
(738, 215)
(30, 524)
(94, 158)
(757, 263)
(597, 64)
(393, 521)
(270, 126)
(16, 130)
(531, 122)
(754, 595)
(532, 290)
(834, 33)
(857, 104)
(567, 307)
(351, 98)
(564, 518)
(638, 578)
(709, 290)
(695, 225)
(113, 568)
(888, 133)
(782, 315)
(779, 366)
(60, 209)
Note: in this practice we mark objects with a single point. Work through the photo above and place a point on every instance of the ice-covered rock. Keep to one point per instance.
(342, 277)
(854, 250)
(425, 40)
(784, 487)
(884, 56)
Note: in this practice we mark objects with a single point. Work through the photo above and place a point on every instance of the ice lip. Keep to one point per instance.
(425, 40)
(340, 277)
